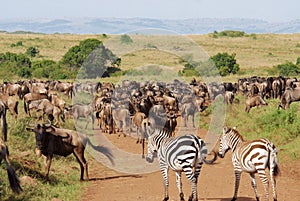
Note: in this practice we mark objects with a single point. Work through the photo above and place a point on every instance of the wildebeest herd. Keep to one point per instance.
(145, 107)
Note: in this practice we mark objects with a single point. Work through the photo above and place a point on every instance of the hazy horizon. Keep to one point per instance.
(269, 10)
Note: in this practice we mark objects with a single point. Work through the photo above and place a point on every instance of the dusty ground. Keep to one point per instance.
(216, 182)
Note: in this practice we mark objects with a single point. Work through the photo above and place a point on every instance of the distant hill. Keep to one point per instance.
(123, 25)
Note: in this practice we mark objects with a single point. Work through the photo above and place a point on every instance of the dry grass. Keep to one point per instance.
(265, 50)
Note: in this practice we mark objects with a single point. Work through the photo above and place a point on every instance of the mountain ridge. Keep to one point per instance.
(124, 25)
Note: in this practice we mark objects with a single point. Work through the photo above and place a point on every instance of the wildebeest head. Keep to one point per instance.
(41, 136)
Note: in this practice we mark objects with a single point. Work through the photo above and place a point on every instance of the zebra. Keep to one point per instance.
(184, 153)
(252, 157)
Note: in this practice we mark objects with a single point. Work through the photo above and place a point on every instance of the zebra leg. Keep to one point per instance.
(164, 171)
(273, 182)
(253, 183)
(192, 177)
(179, 185)
(237, 183)
(265, 181)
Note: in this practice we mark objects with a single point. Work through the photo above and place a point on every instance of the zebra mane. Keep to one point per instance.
(228, 130)
(161, 132)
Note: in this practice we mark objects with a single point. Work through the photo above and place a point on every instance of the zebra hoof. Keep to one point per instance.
(166, 199)
(181, 197)
(233, 199)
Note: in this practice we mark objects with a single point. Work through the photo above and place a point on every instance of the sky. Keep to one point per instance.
(269, 10)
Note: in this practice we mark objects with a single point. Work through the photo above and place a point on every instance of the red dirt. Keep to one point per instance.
(215, 183)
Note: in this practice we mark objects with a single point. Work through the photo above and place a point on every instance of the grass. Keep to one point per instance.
(265, 51)
(21, 145)
(280, 126)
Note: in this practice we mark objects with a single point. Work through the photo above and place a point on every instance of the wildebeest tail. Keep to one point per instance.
(4, 124)
(11, 173)
(104, 150)
(16, 107)
(25, 107)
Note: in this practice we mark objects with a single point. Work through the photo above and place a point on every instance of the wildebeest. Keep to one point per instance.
(51, 140)
(190, 108)
(229, 97)
(254, 101)
(290, 95)
(46, 107)
(10, 103)
(12, 176)
(12, 89)
(81, 110)
(121, 117)
(137, 120)
(32, 97)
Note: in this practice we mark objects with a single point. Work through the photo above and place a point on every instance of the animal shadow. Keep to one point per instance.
(229, 199)
(115, 177)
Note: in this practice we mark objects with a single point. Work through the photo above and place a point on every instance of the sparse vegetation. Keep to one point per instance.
(126, 39)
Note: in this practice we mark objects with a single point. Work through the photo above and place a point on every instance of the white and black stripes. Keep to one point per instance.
(184, 153)
(252, 157)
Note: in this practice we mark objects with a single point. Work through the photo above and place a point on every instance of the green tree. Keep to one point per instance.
(225, 63)
(100, 63)
(288, 69)
(76, 55)
(32, 51)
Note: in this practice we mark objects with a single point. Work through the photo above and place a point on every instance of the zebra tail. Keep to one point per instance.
(274, 159)
(203, 152)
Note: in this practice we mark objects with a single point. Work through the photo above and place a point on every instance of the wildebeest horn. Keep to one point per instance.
(29, 125)
(49, 124)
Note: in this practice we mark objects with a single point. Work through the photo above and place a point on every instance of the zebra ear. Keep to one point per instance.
(225, 129)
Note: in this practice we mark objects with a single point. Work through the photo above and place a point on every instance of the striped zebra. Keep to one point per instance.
(184, 153)
(252, 157)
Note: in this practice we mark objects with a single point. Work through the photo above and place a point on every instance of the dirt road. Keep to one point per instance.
(216, 182)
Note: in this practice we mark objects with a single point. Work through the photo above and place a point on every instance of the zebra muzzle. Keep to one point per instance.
(149, 159)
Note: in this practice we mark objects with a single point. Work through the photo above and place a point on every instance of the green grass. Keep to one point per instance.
(280, 126)
(64, 174)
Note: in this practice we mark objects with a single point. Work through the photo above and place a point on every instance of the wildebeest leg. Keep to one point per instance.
(193, 119)
(185, 120)
(47, 163)
(87, 121)
(83, 165)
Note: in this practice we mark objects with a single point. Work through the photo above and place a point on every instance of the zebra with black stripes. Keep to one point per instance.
(185, 153)
(252, 157)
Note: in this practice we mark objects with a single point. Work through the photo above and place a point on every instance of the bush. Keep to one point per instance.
(125, 39)
(288, 69)
(228, 33)
(32, 51)
(225, 63)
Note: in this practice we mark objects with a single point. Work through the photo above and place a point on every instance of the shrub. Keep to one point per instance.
(32, 51)
(126, 39)
(288, 69)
